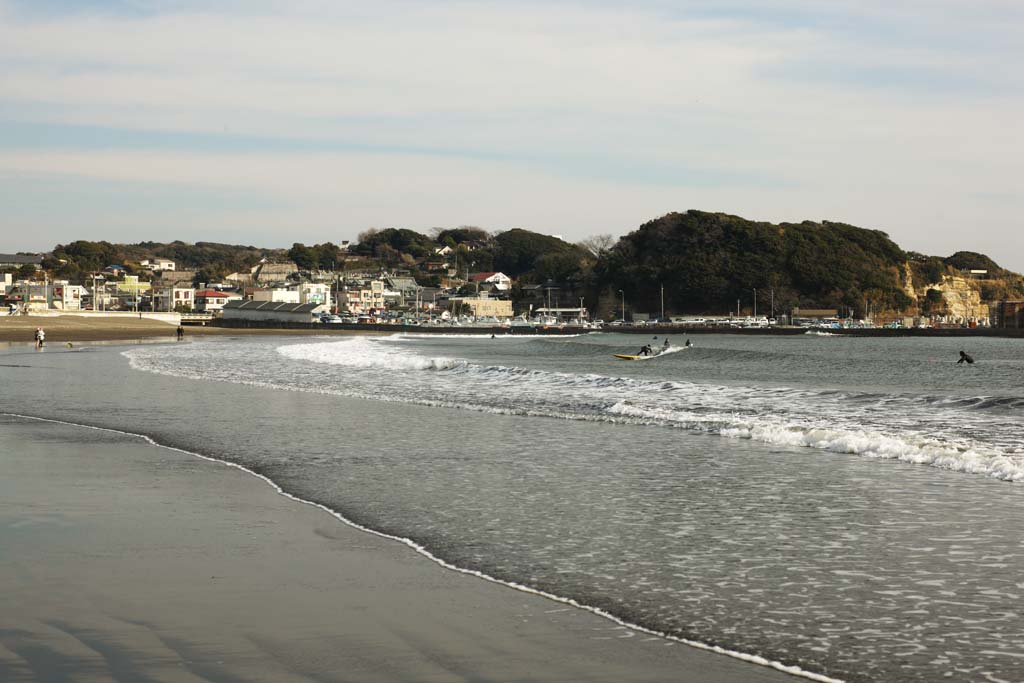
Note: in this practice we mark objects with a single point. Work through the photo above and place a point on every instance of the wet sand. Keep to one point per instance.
(122, 561)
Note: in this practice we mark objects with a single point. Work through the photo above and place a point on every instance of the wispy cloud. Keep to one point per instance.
(569, 117)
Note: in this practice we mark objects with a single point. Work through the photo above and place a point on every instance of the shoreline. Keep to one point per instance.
(539, 650)
(61, 329)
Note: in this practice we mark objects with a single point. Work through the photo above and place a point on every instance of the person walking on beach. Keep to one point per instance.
(181, 332)
(965, 358)
(40, 337)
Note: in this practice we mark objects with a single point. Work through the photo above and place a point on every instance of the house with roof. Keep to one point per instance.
(213, 300)
(405, 286)
(273, 311)
(499, 281)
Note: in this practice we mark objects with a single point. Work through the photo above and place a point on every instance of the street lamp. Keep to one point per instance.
(623, 305)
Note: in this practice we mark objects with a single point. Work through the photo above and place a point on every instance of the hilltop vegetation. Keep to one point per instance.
(79, 259)
(709, 261)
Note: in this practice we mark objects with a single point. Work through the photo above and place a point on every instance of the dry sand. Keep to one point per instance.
(75, 328)
(122, 561)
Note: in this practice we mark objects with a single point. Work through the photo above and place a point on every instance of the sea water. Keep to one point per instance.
(844, 505)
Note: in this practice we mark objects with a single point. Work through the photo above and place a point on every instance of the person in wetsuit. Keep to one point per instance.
(965, 358)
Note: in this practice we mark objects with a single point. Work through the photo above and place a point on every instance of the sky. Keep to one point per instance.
(269, 122)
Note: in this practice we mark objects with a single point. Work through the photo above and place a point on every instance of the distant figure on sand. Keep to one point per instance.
(40, 337)
(181, 332)
(964, 358)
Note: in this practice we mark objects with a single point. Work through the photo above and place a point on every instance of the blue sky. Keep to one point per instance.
(268, 122)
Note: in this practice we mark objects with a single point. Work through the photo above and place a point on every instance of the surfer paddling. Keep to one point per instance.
(965, 358)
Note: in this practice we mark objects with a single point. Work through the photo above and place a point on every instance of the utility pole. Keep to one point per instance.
(755, 303)
(662, 318)
(623, 305)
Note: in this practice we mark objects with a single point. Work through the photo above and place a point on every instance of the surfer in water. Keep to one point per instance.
(665, 345)
(688, 344)
(965, 358)
(645, 350)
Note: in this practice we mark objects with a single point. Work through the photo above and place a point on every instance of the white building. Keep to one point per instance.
(157, 264)
(278, 296)
(169, 297)
(500, 281)
(305, 293)
(67, 297)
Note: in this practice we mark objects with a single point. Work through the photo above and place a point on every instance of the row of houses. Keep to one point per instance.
(358, 294)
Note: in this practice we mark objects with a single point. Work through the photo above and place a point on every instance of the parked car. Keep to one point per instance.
(331, 319)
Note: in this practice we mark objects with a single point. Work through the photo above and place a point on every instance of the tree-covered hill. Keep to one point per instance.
(707, 262)
(77, 260)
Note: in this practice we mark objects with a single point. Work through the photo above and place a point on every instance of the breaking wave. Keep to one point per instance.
(909, 428)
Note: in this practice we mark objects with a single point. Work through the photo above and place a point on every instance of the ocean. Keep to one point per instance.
(850, 506)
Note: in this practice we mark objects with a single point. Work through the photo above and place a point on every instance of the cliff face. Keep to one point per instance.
(961, 296)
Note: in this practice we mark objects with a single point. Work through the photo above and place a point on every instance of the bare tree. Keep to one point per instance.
(598, 244)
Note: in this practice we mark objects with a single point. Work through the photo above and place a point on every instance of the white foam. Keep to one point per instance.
(910, 448)
(365, 352)
(912, 429)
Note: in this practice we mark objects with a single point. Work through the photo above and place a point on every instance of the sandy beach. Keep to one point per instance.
(79, 328)
(123, 561)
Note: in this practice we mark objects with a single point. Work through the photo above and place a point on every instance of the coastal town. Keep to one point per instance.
(437, 286)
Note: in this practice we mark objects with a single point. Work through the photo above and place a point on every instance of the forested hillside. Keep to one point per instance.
(708, 261)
